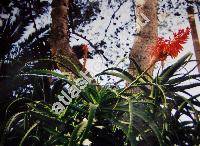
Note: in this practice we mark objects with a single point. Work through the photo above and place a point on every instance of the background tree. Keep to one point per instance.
(59, 32)
(195, 38)
(147, 34)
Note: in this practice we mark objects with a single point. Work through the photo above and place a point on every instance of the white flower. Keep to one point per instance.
(100, 127)
(1, 23)
(87, 142)
(85, 120)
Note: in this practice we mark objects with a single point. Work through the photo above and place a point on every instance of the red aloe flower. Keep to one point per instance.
(171, 47)
(175, 45)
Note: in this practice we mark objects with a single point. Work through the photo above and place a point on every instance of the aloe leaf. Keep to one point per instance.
(92, 93)
(76, 133)
(189, 102)
(41, 107)
(46, 118)
(122, 125)
(9, 124)
(91, 116)
(13, 102)
(125, 73)
(27, 133)
(131, 133)
(49, 72)
(66, 62)
(139, 70)
(183, 87)
(145, 117)
(12, 119)
(183, 79)
(51, 130)
(119, 75)
(169, 72)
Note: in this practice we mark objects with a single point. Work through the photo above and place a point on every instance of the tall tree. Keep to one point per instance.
(195, 38)
(60, 46)
(145, 10)
(146, 36)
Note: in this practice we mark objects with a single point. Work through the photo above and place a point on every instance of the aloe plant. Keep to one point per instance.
(152, 114)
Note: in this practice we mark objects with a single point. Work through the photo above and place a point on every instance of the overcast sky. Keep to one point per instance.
(95, 32)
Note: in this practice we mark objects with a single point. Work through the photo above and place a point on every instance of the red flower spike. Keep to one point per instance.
(180, 38)
(165, 48)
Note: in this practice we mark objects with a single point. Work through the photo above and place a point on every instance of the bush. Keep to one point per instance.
(109, 115)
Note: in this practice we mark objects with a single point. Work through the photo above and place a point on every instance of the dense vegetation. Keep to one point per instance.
(108, 115)
(161, 112)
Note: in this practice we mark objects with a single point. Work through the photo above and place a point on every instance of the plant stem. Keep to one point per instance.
(131, 134)
(136, 79)
(89, 123)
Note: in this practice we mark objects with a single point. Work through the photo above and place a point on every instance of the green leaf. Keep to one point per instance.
(183, 79)
(140, 71)
(122, 125)
(131, 132)
(15, 101)
(76, 133)
(145, 117)
(89, 122)
(124, 74)
(169, 72)
(182, 87)
(188, 102)
(13, 119)
(9, 124)
(92, 93)
(49, 72)
(66, 62)
(27, 133)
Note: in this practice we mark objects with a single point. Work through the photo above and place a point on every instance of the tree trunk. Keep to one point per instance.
(140, 53)
(60, 35)
(146, 36)
(194, 33)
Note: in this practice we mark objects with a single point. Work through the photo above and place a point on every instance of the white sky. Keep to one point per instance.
(168, 24)
(95, 32)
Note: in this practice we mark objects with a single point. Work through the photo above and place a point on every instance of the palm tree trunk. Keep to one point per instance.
(60, 35)
(194, 33)
(146, 36)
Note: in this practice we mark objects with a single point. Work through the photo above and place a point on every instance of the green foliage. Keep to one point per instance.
(148, 110)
